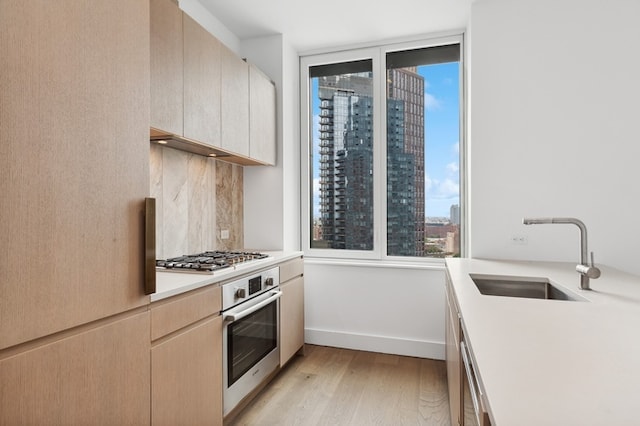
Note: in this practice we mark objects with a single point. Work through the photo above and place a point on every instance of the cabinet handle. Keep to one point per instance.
(473, 386)
(149, 245)
(235, 316)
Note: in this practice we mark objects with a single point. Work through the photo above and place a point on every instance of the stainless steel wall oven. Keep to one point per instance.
(251, 311)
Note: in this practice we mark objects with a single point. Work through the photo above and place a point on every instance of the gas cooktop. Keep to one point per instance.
(208, 261)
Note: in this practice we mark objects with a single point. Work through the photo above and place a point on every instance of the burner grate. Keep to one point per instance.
(208, 261)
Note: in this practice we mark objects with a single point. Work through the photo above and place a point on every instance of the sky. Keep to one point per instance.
(442, 137)
(442, 110)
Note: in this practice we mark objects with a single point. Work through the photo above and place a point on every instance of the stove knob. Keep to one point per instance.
(241, 293)
(268, 282)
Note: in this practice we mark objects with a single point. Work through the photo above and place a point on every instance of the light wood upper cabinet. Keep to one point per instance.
(204, 92)
(235, 103)
(74, 162)
(262, 117)
(99, 376)
(201, 84)
(166, 66)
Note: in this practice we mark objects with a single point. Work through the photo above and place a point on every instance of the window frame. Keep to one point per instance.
(378, 55)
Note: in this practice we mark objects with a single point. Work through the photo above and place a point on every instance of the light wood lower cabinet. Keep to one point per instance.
(186, 359)
(291, 309)
(99, 376)
(187, 376)
(463, 412)
(453, 357)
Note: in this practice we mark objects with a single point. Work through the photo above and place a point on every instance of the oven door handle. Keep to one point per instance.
(235, 316)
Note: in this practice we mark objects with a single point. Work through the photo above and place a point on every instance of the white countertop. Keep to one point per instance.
(551, 362)
(172, 283)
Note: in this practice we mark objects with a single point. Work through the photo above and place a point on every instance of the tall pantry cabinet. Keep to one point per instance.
(74, 155)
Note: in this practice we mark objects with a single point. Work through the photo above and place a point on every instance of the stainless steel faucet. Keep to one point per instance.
(586, 271)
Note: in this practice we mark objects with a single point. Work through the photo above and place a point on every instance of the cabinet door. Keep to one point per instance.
(166, 66)
(97, 377)
(453, 361)
(235, 103)
(201, 84)
(291, 318)
(74, 162)
(262, 117)
(186, 374)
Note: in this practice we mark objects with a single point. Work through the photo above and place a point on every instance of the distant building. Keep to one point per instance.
(440, 230)
(453, 242)
(454, 214)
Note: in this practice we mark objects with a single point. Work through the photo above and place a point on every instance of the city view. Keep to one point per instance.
(422, 154)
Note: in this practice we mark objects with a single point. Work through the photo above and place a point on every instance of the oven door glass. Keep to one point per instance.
(250, 339)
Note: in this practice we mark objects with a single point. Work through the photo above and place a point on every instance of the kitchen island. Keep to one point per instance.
(553, 362)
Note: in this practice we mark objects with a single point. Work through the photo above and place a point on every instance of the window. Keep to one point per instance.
(383, 143)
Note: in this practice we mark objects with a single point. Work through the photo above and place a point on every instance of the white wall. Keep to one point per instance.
(379, 308)
(272, 194)
(554, 111)
(201, 15)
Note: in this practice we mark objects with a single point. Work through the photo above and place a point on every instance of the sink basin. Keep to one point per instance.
(531, 288)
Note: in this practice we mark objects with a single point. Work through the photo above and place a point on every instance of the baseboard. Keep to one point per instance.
(382, 344)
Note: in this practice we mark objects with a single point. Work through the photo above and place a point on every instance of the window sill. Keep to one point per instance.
(434, 265)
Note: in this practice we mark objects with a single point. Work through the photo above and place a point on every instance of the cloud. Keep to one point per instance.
(442, 190)
(453, 168)
(427, 183)
(448, 188)
(456, 147)
(431, 103)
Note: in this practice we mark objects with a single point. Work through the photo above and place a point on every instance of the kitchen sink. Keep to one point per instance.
(532, 288)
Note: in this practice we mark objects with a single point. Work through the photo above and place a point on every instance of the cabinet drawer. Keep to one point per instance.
(291, 269)
(182, 310)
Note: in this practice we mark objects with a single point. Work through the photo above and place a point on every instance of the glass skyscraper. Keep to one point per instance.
(346, 162)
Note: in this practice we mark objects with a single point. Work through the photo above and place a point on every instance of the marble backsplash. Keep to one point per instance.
(196, 198)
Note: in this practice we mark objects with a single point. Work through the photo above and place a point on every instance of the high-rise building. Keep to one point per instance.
(454, 214)
(346, 161)
(405, 162)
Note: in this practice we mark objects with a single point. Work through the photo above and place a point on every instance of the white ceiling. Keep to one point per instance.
(317, 24)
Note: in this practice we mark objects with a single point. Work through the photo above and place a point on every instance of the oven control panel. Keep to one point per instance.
(249, 286)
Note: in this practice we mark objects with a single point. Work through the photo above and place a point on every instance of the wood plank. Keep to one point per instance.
(332, 386)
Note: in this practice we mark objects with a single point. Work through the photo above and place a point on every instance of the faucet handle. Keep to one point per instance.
(590, 271)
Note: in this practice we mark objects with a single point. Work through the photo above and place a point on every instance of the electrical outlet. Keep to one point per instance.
(224, 234)
(519, 240)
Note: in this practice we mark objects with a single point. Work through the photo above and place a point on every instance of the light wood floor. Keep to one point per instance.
(330, 386)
